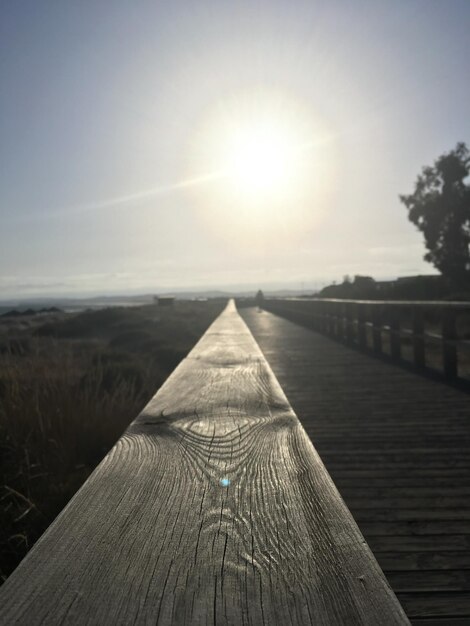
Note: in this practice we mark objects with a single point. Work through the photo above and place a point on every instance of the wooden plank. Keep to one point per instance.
(446, 473)
(422, 543)
(397, 491)
(430, 580)
(421, 561)
(425, 304)
(395, 515)
(155, 537)
(353, 464)
(401, 453)
(372, 438)
(438, 501)
(414, 527)
(453, 604)
(409, 481)
(441, 621)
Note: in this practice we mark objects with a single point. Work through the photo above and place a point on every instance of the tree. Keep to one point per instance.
(259, 298)
(440, 208)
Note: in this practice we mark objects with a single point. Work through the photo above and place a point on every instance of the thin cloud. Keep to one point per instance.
(139, 195)
(116, 201)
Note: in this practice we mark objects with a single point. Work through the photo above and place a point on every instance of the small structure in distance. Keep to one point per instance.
(164, 300)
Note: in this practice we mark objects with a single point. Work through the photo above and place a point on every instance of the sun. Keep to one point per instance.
(260, 159)
(267, 161)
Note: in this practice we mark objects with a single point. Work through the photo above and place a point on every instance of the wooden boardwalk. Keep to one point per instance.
(213, 508)
(397, 447)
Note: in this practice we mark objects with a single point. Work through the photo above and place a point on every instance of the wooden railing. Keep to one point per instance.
(433, 335)
(213, 507)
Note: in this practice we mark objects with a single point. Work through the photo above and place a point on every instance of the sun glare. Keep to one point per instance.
(260, 159)
(272, 160)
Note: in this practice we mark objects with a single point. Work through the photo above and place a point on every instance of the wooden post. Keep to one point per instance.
(325, 321)
(333, 319)
(313, 315)
(361, 326)
(330, 318)
(377, 328)
(395, 339)
(320, 326)
(349, 323)
(449, 348)
(340, 321)
(418, 337)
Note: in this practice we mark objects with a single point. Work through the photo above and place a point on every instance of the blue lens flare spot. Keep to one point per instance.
(225, 482)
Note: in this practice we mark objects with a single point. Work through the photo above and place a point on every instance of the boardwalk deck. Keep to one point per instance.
(213, 508)
(397, 447)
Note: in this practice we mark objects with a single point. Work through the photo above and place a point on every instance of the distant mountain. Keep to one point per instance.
(70, 303)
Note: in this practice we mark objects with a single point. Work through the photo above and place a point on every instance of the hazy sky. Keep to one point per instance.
(115, 121)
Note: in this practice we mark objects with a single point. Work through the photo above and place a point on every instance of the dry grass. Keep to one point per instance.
(67, 394)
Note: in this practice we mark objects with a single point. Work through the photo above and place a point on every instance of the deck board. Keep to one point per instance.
(397, 447)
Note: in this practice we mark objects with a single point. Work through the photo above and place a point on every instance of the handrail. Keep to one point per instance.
(213, 507)
(431, 304)
(349, 321)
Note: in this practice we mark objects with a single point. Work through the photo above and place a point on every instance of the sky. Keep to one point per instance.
(153, 145)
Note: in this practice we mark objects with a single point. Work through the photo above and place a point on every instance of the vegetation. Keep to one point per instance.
(440, 208)
(432, 287)
(69, 386)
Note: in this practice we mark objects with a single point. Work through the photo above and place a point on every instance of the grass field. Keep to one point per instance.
(69, 386)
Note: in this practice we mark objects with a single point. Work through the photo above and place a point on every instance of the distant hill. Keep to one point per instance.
(98, 302)
(29, 311)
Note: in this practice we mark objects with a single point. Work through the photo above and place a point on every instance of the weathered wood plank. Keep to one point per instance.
(399, 491)
(436, 621)
(391, 440)
(396, 515)
(420, 543)
(437, 604)
(401, 502)
(415, 527)
(155, 537)
(430, 580)
(422, 561)
(348, 482)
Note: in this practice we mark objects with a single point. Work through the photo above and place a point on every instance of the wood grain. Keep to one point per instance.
(153, 537)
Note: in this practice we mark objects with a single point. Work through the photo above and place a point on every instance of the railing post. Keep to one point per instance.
(361, 326)
(325, 317)
(377, 328)
(331, 319)
(349, 323)
(418, 336)
(340, 321)
(315, 315)
(335, 312)
(449, 348)
(334, 319)
(395, 339)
